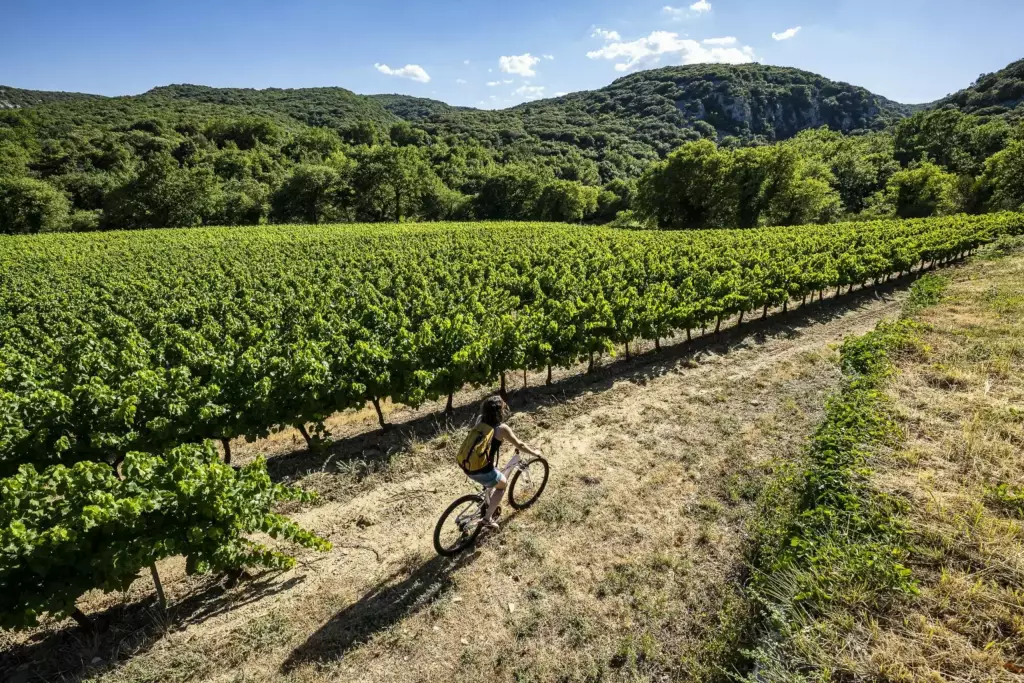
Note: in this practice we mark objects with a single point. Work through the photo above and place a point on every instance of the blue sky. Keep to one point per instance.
(495, 54)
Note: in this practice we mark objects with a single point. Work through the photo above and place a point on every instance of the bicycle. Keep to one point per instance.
(527, 480)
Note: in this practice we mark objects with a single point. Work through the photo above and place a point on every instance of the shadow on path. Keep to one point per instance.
(383, 606)
(67, 653)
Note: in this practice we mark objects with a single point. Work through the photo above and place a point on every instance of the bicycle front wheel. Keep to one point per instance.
(528, 483)
(459, 526)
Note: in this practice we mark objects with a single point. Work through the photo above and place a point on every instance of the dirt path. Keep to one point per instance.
(625, 570)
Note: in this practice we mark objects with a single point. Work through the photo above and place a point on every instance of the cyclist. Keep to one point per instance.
(493, 413)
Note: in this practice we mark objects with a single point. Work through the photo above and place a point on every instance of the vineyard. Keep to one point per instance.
(124, 354)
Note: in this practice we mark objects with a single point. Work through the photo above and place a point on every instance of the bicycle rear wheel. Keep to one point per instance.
(459, 526)
(528, 483)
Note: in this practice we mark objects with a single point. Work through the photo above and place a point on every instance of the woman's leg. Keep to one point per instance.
(497, 493)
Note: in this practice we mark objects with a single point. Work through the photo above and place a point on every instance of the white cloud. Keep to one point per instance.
(521, 65)
(461, 81)
(466, 62)
(491, 84)
(787, 34)
(530, 92)
(650, 50)
(560, 94)
(414, 72)
(606, 35)
(680, 13)
(727, 40)
(549, 57)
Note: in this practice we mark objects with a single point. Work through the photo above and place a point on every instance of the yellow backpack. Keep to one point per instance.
(475, 453)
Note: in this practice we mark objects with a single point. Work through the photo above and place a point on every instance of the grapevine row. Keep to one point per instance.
(116, 348)
(142, 341)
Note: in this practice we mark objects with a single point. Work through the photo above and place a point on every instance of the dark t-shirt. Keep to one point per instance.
(495, 449)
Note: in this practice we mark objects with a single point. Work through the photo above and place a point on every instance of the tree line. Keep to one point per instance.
(935, 163)
(173, 171)
(252, 171)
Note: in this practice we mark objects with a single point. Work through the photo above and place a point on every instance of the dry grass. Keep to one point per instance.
(628, 569)
(961, 406)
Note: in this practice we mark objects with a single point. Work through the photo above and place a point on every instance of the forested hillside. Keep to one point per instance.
(327, 107)
(997, 93)
(17, 98)
(412, 108)
(656, 111)
(786, 146)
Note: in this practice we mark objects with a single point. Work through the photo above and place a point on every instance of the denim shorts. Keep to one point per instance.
(488, 478)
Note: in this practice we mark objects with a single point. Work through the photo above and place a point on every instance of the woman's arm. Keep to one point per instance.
(506, 434)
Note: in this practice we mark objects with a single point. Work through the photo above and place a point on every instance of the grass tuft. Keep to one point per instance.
(828, 538)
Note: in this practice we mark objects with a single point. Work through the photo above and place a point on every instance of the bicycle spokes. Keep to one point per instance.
(528, 483)
(459, 525)
(466, 520)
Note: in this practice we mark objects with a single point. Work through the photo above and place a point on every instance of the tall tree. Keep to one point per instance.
(567, 202)
(860, 166)
(14, 159)
(390, 182)
(29, 206)
(511, 192)
(760, 176)
(918, 192)
(1004, 178)
(690, 189)
(313, 193)
(163, 195)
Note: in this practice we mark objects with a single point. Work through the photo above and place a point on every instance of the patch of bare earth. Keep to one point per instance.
(627, 569)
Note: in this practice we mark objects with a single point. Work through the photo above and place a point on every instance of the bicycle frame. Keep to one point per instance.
(509, 469)
(487, 491)
(511, 465)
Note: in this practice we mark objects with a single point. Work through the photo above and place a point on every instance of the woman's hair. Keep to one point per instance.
(492, 411)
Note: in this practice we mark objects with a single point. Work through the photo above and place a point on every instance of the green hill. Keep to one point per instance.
(64, 115)
(92, 116)
(992, 94)
(18, 98)
(641, 116)
(663, 107)
(311, 154)
(327, 107)
(411, 108)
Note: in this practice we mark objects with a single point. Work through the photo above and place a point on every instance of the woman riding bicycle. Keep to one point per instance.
(493, 413)
(470, 514)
